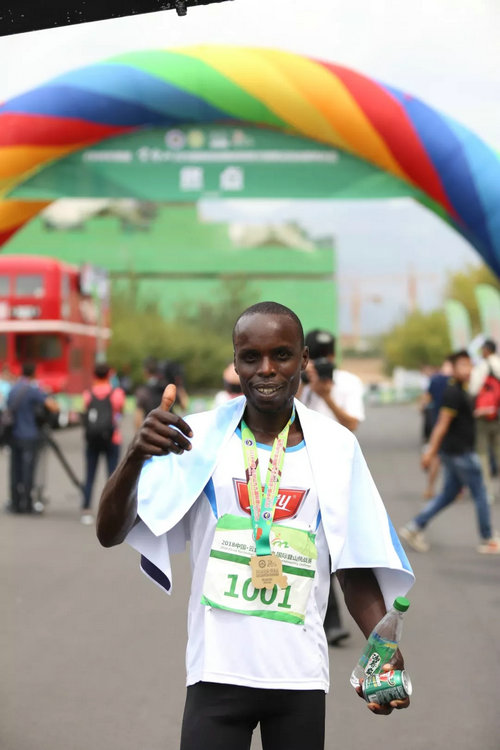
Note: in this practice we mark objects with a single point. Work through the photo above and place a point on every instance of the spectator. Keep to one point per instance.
(487, 423)
(232, 386)
(430, 405)
(157, 375)
(5, 386)
(148, 395)
(103, 410)
(125, 380)
(338, 395)
(25, 400)
(173, 372)
(454, 436)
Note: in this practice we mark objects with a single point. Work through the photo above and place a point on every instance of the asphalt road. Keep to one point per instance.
(92, 654)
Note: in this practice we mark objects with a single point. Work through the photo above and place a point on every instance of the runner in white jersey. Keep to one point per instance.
(272, 497)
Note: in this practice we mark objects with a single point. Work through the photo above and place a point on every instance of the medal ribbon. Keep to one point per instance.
(263, 503)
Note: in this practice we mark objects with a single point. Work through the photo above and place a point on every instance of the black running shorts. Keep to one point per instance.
(223, 717)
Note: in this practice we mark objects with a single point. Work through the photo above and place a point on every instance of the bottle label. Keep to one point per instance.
(378, 651)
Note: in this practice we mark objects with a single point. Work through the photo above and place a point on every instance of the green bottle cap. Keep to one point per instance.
(401, 603)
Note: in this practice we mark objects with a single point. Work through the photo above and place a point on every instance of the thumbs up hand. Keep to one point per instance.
(162, 432)
(168, 398)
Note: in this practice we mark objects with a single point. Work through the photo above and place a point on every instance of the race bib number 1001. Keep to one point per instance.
(228, 579)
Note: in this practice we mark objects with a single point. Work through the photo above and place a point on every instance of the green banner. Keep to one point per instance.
(488, 302)
(459, 326)
(188, 163)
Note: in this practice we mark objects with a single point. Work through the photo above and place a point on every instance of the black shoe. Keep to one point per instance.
(335, 635)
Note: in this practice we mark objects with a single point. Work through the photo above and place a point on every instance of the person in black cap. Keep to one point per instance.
(337, 394)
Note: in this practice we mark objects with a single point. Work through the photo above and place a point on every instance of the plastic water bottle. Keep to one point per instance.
(382, 642)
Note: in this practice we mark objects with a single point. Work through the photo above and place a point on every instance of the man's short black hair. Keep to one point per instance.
(272, 308)
(101, 370)
(320, 343)
(28, 369)
(461, 354)
(490, 345)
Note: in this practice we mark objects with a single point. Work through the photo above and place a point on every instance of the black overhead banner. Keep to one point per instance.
(18, 16)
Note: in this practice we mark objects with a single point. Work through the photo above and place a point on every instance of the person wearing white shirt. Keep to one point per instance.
(339, 398)
(487, 429)
(336, 394)
(257, 652)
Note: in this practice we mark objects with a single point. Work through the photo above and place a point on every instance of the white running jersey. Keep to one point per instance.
(240, 649)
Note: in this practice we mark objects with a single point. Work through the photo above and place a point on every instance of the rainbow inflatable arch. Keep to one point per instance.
(458, 174)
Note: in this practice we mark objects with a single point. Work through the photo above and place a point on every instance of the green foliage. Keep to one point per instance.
(461, 287)
(219, 316)
(422, 339)
(200, 339)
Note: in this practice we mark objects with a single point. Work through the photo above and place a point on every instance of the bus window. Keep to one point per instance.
(29, 285)
(4, 286)
(3, 346)
(38, 346)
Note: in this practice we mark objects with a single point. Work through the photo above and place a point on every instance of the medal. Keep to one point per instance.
(267, 570)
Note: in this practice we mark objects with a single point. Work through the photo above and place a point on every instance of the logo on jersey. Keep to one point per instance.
(288, 505)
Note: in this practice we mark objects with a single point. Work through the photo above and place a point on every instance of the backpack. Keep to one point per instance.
(489, 398)
(99, 422)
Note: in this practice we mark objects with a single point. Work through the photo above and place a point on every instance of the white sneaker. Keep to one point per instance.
(87, 519)
(489, 547)
(414, 538)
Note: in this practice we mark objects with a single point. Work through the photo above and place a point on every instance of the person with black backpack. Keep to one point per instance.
(103, 409)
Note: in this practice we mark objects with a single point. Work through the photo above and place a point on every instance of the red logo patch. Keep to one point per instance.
(288, 505)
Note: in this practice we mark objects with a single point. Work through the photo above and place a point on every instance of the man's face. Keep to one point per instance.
(462, 369)
(269, 358)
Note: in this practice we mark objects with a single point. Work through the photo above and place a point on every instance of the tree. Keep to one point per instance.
(232, 297)
(421, 339)
(461, 287)
(200, 340)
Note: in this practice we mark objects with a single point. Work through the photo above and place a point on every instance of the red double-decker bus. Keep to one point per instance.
(54, 314)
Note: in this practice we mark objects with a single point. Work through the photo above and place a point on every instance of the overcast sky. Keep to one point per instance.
(445, 51)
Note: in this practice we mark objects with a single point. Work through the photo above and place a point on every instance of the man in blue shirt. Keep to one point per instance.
(25, 400)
